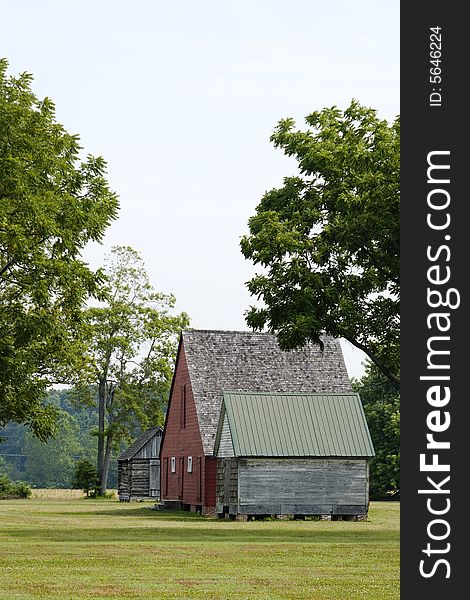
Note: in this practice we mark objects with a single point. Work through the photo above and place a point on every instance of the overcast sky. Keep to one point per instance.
(180, 98)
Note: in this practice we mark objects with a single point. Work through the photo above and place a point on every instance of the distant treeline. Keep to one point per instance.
(51, 464)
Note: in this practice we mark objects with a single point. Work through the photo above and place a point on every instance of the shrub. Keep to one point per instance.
(85, 477)
(10, 489)
(5, 487)
(22, 489)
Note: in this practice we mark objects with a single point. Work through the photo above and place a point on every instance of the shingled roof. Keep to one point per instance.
(253, 362)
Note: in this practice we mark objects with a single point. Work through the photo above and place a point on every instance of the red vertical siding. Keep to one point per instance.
(211, 476)
(181, 439)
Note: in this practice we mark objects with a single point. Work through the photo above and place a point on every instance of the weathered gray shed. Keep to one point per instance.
(139, 468)
(295, 454)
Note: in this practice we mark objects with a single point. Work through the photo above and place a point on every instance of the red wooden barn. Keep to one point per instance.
(211, 362)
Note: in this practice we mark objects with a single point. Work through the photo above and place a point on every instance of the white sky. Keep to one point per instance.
(180, 98)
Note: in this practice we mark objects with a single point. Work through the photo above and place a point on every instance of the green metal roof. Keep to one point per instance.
(274, 424)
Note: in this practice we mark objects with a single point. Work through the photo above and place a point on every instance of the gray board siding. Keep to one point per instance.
(151, 438)
(253, 362)
(154, 477)
(227, 485)
(139, 472)
(302, 486)
(136, 477)
(150, 450)
(225, 445)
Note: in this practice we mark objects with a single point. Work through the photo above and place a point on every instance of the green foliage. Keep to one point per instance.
(85, 477)
(51, 206)
(5, 487)
(11, 449)
(109, 495)
(50, 464)
(381, 403)
(10, 489)
(5, 468)
(328, 240)
(135, 336)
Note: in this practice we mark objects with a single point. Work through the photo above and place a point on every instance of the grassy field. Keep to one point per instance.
(69, 548)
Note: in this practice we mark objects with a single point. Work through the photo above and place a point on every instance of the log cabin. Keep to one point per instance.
(139, 468)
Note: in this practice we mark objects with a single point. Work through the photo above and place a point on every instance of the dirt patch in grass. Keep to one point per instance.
(58, 494)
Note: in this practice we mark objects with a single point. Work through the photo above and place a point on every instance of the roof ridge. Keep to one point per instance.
(244, 331)
(268, 393)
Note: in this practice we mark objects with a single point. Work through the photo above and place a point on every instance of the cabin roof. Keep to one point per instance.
(139, 443)
(248, 361)
(290, 425)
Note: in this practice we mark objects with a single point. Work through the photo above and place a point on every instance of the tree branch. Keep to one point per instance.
(5, 267)
(380, 365)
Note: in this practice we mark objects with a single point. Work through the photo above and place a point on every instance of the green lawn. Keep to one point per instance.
(75, 548)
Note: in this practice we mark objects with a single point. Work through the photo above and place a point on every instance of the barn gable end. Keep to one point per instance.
(184, 464)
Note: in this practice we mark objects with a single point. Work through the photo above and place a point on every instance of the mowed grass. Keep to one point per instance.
(75, 548)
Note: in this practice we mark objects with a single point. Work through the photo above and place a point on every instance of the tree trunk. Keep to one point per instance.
(101, 428)
(106, 462)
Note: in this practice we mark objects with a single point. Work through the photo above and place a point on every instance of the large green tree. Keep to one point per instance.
(135, 335)
(381, 402)
(328, 240)
(52, 204)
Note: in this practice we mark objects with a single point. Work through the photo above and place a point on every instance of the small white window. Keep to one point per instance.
(173, 464)
(190, 464)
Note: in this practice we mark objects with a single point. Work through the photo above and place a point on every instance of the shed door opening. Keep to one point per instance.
(154, 478)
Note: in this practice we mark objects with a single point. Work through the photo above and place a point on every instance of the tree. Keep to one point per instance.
(85, 477)
(328, 240)
(51, 206)
(381, 403)
(133, 351)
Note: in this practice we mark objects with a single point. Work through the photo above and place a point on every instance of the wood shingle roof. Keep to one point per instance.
(253, 362)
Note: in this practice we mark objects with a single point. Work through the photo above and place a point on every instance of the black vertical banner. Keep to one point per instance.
(435, 256)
